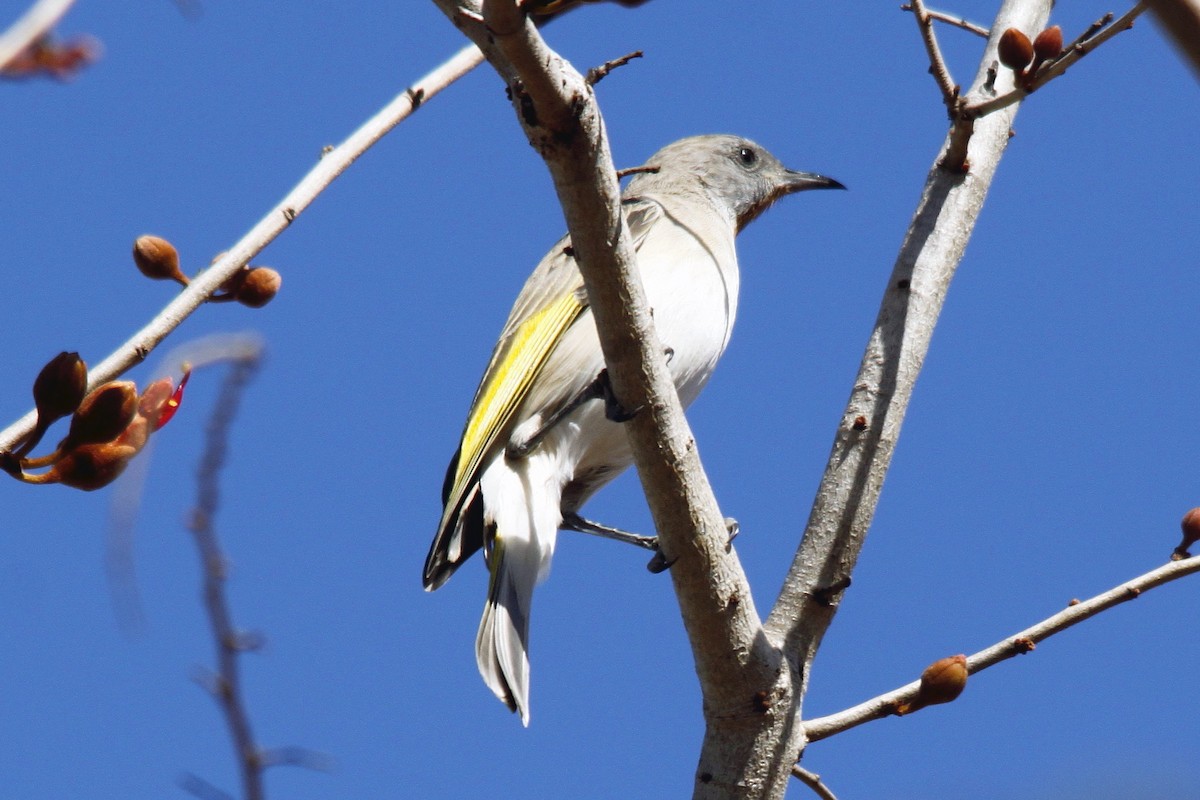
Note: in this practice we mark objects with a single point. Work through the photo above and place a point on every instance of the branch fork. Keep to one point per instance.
(1004, 86)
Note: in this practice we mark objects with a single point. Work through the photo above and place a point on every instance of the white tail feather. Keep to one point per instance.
(522, 500)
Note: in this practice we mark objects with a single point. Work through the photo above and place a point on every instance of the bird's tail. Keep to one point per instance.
(523, 510)
(502, 644)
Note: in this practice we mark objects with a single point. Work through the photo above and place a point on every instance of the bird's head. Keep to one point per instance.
(738, 175)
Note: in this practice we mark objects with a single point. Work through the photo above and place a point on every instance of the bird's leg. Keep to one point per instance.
(659, 563)
(573, 522)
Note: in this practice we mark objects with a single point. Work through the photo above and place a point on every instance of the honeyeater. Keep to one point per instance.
(540, 437)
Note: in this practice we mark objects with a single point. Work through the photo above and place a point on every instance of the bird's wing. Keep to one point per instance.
(552, 299)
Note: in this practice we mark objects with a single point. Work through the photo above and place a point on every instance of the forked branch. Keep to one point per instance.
(865, 440)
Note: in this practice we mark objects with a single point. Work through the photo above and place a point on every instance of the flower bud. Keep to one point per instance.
(158, 259)
(258, 287)
(104, 413)
(944, 679)
(1190, 525)
(941, 682)
(1015, 50)
(155, 396)
(59, 388)
(92, 466)
(1048, 44)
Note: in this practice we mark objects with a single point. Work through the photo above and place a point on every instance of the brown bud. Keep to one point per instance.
(158, 259)
(103, 415)
(941, 682)
(1190, 525)
(92, 466)
(1048, 44)
(258, 287)
(59, 388)
(1015, 50)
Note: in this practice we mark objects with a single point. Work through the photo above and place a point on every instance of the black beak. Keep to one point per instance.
(802, 181)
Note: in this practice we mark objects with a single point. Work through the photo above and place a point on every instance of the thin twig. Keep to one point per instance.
(1091, 31)
(332, 164)
(627, 171)
(958, 22)
(983, 100)
(40, 18)
(813, 781)
(937, 64)
(225, 684)
(1089, 41)
(597, 74)
(1017, 644)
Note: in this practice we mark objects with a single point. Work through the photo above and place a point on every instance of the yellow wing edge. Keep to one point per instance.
(523, 357)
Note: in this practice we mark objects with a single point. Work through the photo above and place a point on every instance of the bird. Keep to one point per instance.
(543, 432)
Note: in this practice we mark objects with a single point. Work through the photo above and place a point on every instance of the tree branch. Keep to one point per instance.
(866, 438)
(813, 781)
(1017, 644)
(34, 23)
(950, 19)
(937, 64)
(333, 164)
(1093, 38)
(225, 684)
(739, 672)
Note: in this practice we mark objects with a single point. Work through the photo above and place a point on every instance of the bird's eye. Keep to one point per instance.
(747, 156)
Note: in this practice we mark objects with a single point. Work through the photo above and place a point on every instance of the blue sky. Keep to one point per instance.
(1049, 452)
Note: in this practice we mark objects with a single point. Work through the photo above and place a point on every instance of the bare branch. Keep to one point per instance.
(1090, 40)
(937, 64)
(1016, 644)
(597, 74)
(949, 19)
(1091, 30)
(740, 674)
(813, 781)
(627, 171)
(36, 22)
(334, 162)
(870, 426)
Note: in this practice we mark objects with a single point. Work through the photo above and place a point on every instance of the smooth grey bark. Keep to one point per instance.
(752, 677)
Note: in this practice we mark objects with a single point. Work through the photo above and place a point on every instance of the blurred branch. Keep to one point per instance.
(1019, 643)
(127, 495)
(332, 164)
(1181, 19)
(866, 438)
(225, 684)
(36, 22)
(734, 662)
